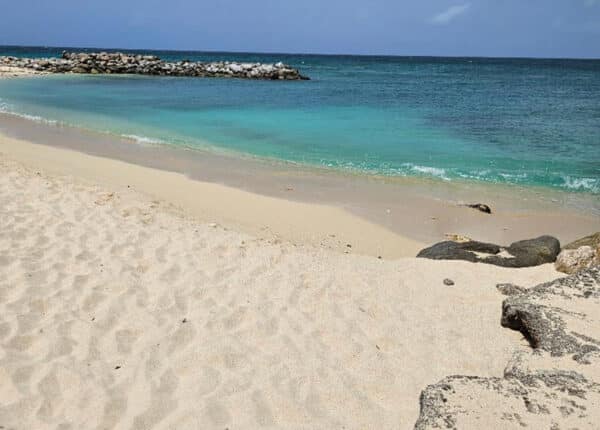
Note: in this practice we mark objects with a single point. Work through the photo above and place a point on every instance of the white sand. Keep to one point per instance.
(118, 311)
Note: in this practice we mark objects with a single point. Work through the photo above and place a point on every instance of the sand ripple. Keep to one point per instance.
(116, 312)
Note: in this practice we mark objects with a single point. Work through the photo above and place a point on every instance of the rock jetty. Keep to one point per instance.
(121, 63)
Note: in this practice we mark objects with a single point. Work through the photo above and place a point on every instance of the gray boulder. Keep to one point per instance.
(525, 253)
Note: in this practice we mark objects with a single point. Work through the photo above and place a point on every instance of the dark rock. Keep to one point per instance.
(534, 252)
(480, 207)
(448, 282)
(449, 250)
(525, 253)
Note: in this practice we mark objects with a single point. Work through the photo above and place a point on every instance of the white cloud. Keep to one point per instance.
(453, 12)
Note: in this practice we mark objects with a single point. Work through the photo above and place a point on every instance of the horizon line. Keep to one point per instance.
(326, 54)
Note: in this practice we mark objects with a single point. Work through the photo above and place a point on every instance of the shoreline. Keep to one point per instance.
(207, 149)
(414, 212)
(262, 216)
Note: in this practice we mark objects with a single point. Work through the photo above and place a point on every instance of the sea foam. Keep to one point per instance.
(581, 184)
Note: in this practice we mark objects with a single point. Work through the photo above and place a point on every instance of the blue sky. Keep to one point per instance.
(539, 28)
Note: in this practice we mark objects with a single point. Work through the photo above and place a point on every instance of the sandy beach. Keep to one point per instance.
(132, 298)
(300, 215)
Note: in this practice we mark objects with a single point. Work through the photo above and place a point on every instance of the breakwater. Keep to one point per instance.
(120, 63)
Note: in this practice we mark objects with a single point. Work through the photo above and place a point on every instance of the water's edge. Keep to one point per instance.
(426, 174)
(418, 208)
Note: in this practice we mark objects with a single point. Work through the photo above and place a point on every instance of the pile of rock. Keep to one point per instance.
(120, 63)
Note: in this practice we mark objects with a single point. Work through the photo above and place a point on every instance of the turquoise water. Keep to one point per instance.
(516, 121)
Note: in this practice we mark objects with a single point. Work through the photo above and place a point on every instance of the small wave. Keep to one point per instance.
(143, 139)
(581, 184)
(480, 175)
(510, 176)
(8, 110)
(430, 171)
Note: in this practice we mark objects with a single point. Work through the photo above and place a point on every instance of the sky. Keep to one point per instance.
(495, 28)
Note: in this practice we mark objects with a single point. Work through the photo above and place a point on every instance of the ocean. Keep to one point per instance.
(528, 122)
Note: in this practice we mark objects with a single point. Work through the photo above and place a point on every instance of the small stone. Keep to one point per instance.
(448, 282)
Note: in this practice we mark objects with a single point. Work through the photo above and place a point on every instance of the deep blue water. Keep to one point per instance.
(520, 121)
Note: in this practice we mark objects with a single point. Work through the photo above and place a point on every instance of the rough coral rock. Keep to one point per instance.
(573, 260)
(554, 386)
(579, 254)
(538, 395)
(561, 317)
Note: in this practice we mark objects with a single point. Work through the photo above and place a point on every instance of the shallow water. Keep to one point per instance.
(516, 121)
